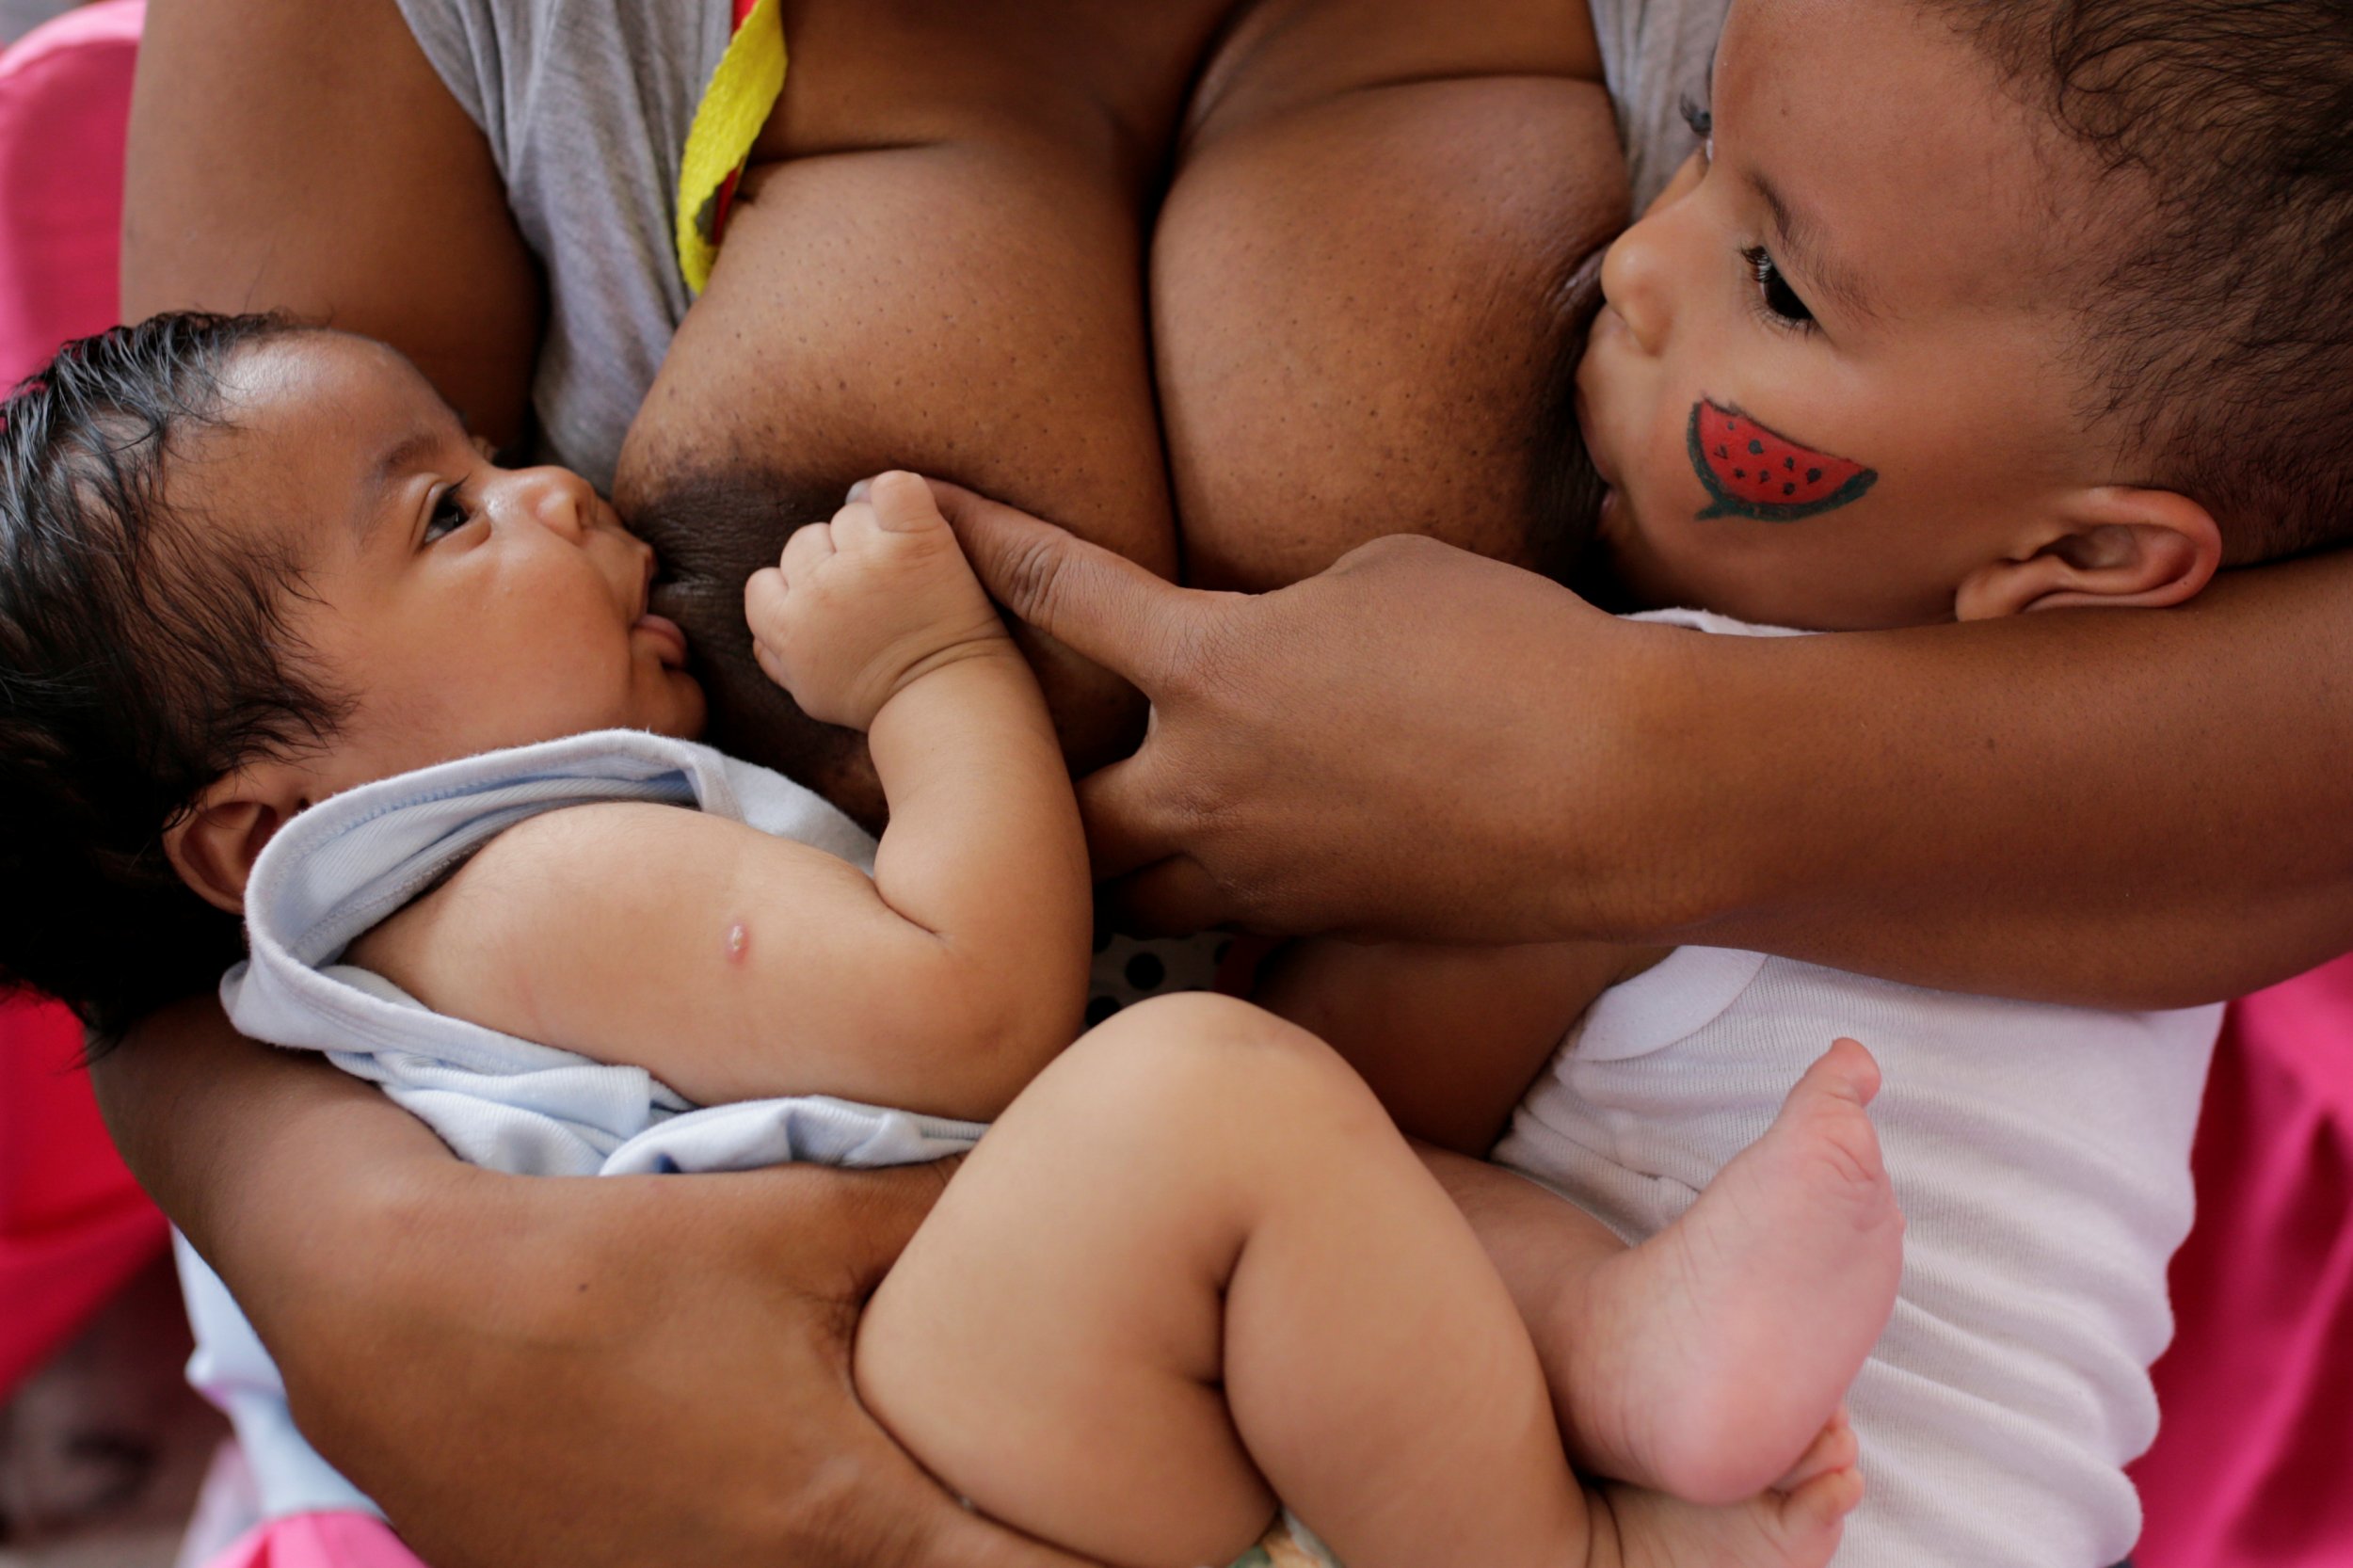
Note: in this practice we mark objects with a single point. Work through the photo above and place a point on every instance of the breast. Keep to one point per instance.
(1366, 314)
(1350, 321)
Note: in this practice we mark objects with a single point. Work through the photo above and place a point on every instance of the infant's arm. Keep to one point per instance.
(1449, 1037)
(735, 965)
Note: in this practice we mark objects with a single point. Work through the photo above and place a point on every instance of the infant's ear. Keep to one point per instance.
(2110, 545)
(213, 846)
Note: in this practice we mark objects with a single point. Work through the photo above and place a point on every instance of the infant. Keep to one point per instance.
(1965, 311)
(281, 641)
(1893, 353)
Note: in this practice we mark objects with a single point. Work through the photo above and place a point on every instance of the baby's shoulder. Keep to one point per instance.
(524, 875)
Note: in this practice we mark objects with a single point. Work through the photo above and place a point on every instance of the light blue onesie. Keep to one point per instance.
(509, 1104)
(513, 1104)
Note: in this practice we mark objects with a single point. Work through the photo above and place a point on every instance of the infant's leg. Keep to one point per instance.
(1705, 1360)
(1199, 1209)
(1193, 1268)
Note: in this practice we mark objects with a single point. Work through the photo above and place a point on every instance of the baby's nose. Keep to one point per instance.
(1633, 282)
(560, 499)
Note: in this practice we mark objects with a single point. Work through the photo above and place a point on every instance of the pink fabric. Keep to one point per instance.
(65, 97)
(319, 1541)
(74, 1227)
(2253, 1464)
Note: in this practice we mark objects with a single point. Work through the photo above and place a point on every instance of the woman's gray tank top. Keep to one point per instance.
(586, 104)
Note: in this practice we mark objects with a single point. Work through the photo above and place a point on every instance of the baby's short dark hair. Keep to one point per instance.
(2220, 330)
(143, 656)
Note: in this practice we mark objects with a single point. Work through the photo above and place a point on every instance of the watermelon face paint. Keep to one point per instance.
(1752, 473)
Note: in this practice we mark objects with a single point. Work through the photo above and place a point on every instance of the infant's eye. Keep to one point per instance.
(1699, 116)
(1779, 299)
(450, 513)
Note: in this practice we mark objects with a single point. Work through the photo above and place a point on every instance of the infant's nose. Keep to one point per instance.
(560, 500)
(1633, 282)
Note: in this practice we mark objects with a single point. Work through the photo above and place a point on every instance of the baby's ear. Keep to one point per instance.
(213, 846)
(2109, 545)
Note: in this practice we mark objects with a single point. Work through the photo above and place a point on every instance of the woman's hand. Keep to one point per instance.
(1326, 756)
(2120, 808)
(530, 1372)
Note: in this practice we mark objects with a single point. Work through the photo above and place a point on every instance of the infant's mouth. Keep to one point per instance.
(671, 640)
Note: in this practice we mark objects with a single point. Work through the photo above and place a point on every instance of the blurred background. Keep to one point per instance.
(102, 1442)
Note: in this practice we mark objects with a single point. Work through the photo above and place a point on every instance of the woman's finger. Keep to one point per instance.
(1172, 897)
(1127, 822)
(1093, 601)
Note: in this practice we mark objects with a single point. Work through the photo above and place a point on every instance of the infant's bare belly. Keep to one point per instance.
(1300, 307)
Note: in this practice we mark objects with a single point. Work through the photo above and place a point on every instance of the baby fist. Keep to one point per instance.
(861, 607)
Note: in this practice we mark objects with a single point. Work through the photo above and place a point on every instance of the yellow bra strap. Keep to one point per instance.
(743, 89)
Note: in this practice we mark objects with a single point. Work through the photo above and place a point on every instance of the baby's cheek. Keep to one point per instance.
(1672, 496)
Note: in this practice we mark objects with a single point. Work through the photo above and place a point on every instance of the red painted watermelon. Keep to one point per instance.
(1752, 473)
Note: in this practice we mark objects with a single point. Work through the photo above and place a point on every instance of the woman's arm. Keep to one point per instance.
(2123, 808)
(556, 1333)
(287, 158)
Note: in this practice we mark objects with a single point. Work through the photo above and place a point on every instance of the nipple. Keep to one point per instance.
(739, 940)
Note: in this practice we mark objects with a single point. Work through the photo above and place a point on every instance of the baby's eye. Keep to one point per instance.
(1699, 116)
(1779, 301)
(450, 513)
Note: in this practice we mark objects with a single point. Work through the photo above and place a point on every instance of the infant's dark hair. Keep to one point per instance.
(143, 656)
(2221, 332)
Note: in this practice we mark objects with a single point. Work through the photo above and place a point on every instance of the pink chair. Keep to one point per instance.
(74, 1227)
(2253, 1465)
(65, 97)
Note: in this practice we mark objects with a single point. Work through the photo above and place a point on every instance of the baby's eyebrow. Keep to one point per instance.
(1801, 243)
(399, 458)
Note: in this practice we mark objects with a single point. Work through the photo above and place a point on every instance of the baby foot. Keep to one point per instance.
(1709, 1359)
(1796, 1527)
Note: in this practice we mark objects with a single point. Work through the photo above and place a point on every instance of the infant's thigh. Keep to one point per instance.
(1049, 1344)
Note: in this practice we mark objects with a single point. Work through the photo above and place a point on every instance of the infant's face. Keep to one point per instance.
(1829, 383)
(461, 606)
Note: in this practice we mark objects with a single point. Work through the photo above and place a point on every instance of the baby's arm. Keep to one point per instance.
(734, 965)
(1449, 1037)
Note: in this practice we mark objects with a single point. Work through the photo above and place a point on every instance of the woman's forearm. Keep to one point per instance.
(249, 1149)
(2123, 808)
(494, 1358)
(2135, 808)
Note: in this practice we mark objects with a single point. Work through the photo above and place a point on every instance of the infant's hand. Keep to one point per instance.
(860, 607)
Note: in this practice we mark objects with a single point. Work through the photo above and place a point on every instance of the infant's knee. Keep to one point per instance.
(1199, 1063)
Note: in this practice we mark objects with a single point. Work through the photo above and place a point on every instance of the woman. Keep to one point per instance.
(1354, 247)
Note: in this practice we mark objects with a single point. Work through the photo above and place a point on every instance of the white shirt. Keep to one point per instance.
(2042, 1158)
